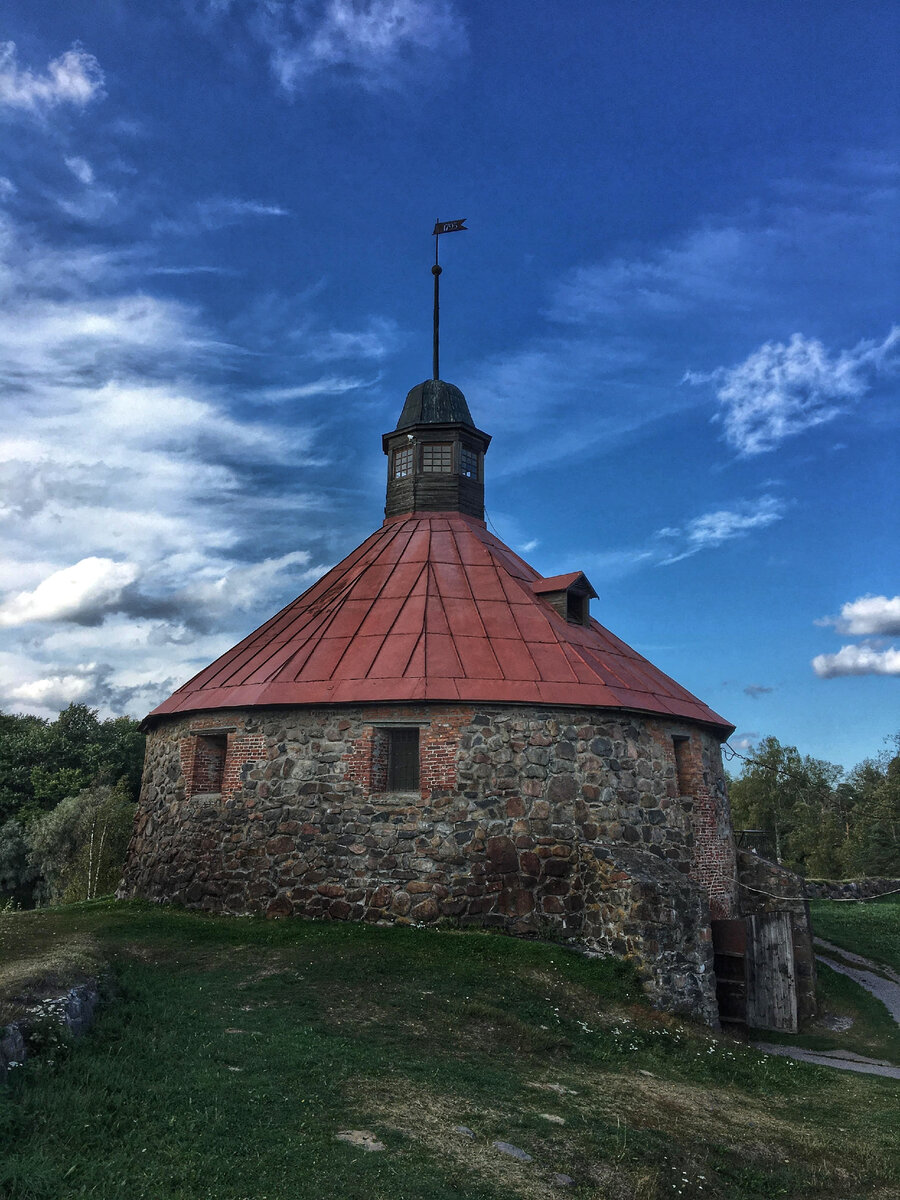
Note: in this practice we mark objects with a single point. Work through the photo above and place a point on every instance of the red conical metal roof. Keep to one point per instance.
(432, 607)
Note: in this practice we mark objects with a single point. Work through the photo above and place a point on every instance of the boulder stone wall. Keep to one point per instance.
(850, 889)
(554, 822)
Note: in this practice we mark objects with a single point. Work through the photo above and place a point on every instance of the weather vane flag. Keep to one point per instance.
(439, 228)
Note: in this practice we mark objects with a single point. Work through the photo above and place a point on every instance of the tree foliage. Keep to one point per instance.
(42, 762)
(79, 847)
(820, 820)
(67, 793)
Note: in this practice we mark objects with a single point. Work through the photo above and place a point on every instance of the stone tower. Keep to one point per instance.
(435, 731)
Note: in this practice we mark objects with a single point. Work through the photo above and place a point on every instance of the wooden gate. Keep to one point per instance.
(771, 986)
(754, 965)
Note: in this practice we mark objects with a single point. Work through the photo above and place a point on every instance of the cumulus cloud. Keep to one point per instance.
(73, 78)
(877, 616)
(857, 660)
(81, 593)
(720, 525)
(755, 690)
(782, 389)
(376, 43)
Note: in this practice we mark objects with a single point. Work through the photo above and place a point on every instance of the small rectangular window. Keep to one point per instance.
(468, 463)
(403, 760)
(682, 748)
(437, 457)
(403, 462)
(209, 763)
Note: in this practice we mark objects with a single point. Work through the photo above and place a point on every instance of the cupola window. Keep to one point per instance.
(468, 463)
(403, 462)
(437, 458)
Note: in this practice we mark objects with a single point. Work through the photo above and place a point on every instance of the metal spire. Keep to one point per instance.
(439, 228)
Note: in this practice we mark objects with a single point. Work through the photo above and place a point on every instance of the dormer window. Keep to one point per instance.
(468, 463)
(577, 608)
(437, 458)
(569, 595)
(403, 462)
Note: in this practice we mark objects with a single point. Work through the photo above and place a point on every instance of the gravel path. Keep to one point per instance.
(844, 1060)
(881, 981)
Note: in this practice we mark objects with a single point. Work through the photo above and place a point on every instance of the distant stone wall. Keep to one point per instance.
(768, 887)
(518, 812)
(849, 889)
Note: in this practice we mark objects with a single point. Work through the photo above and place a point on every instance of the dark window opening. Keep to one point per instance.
(468, 463)
(403, 760)
(437, 457)
(403, 462)
(209, 763)
(577, 608)
(683, 765)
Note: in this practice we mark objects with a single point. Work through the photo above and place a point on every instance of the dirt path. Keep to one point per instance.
(881, 981)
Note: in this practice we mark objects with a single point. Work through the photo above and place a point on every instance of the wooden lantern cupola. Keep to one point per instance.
(435, 455)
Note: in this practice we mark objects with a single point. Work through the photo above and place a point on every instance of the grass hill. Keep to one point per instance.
(231, 1053)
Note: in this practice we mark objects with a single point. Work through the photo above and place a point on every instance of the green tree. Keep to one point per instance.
(18, 875)
(795, 800)
(873, 842)
(80, 846)
(43, 762)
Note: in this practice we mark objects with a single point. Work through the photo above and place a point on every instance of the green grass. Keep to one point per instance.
(233, 1051)
(869, 927)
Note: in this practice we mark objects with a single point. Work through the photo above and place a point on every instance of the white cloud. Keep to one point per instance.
(708, 265)
(53, 692)
(132, 550)
(721, 525)
(217, 212)
(379, 338)
(868, 616)
(82, 593)
(7, 188)
(81, 169)
(745, 742)
(857, 660)
(328, 385)
(782, 389)
(377, 43)
(73, 78)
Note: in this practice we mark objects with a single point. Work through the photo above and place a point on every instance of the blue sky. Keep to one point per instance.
(675, 310)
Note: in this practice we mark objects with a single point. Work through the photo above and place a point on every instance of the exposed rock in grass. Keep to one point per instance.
(512, 1151)
(361, 1138)
(47, 1022)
